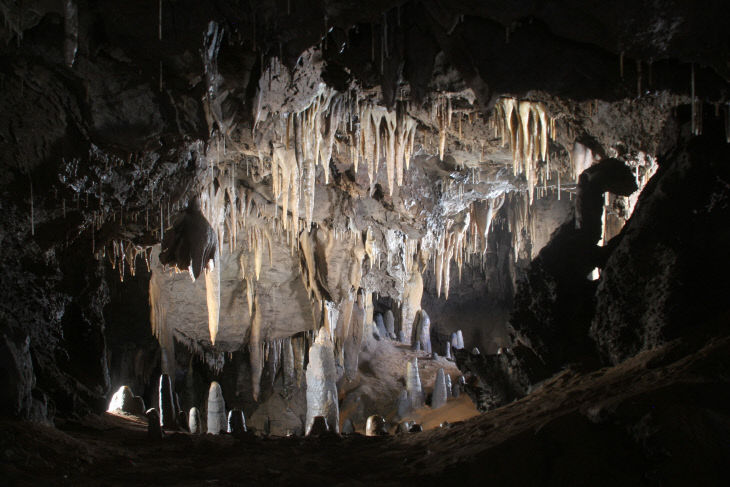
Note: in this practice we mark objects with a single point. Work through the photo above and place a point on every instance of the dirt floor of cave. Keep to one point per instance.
(661, 418)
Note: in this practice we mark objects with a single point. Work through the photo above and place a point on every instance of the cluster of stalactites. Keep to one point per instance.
(122, 255)
(451, 246)
(527, 128)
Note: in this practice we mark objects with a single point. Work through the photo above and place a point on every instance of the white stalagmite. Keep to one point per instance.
(422, 332)
(413, 384)
(321, 383)
(217, 421)
(194, 424)
(440, 394)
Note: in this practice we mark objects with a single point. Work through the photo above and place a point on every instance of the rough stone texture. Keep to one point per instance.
(216, 410)
(667, 278)
(553, 304)
(440, 391)
(321, 383)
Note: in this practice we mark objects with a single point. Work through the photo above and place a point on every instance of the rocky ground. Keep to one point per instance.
(660, 418)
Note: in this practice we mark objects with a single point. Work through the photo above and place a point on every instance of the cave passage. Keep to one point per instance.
(387, 243)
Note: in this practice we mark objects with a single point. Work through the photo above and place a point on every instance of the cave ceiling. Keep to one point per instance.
(338, 148)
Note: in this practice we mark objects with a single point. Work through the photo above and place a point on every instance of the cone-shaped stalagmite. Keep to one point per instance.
(216, 410)
(236, 422)
(321, 386)
(440, 396)
(123, 400)
(167, 406)
(376, 426)
(154, 430)
(194, 421)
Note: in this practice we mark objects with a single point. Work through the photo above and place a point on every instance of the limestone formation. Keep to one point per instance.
(447, 351)
(457, 340)
(138, 406)
(413, 384)
(440, 394)
(216, 410)
(376, 426)
(416, 428)
(194, 425)
(122, 400)
(321, 383)
(475, 351)
(448, 386)
(166, 403)
(380, 325)
(318, 427)
(390, 324)
(347, 427)
(236, 422)
(422, 332)
(182, 420)
(404, 427)
(403, 405)
(154, 430)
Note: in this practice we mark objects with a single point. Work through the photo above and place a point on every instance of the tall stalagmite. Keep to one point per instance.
(321, 383)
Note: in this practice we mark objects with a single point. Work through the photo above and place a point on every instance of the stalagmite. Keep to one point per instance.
(403, 405)
(380, 326)
(422, 332)
(440, 394)
(416, 428)
(448, 386)
(376, 426)
(412, 294)
(413, 384)
(123, 400)
(403, 427)
(389, 323)
(288, 367)
(321, 383)
(216, 410)
(236, 422)
(447, 352)
(154, 430)
(182, 420)
(255, 350)
(167, 405)
(457, 340)
(194, 425)
(347, 427)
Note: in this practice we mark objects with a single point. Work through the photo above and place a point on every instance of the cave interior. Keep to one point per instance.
(387, 242)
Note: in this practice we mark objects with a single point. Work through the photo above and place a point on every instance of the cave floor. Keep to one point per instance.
(660, 418)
